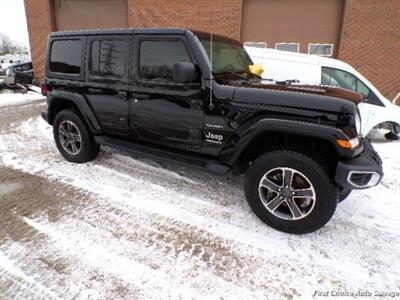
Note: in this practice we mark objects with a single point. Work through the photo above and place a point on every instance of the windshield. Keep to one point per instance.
(226, 56)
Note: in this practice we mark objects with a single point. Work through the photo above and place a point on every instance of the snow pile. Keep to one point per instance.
(19, 98)
(173, 231)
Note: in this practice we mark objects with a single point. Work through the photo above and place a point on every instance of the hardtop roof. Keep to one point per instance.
(200, 34)
(119, 31)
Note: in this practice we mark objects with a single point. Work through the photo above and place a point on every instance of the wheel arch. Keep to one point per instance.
(64, 100)
(388, 123)
(269, 134)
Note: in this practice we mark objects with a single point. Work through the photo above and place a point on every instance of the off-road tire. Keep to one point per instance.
(88, 147)
(344, 194)
(325, 191)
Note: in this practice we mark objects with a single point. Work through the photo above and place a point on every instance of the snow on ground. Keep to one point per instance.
(168, 231)
(16, 98)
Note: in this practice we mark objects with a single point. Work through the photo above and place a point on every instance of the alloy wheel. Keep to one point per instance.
(70, 137)
(287, 193)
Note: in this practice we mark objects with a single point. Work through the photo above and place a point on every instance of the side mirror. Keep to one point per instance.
(184, 72)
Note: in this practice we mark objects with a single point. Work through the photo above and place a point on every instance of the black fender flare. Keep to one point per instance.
(79, 102)
(327, 133)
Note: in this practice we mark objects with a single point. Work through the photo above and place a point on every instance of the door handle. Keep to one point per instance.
(122, 94)
(140, 96)
(94, 91)
(197, 104)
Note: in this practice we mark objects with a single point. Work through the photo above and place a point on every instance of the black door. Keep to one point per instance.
(106, 85)
(165, 112)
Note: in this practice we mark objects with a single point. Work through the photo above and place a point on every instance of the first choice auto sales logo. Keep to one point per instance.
(359, 293)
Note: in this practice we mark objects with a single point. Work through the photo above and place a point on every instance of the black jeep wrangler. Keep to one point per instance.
(189, 97)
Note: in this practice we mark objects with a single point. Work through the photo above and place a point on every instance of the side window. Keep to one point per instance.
(156, 59)
(343, 79)
(26, 67)
(363, 89)
(107, 58)
(65, 56)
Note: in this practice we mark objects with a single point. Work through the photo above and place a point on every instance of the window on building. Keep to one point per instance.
(108, 58)
(343, 79)
(65, 56)
(291, 47)
(157, 59)
(320, 49)
(256, 44)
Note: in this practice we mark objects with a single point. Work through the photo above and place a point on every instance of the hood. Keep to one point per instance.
(313, 97)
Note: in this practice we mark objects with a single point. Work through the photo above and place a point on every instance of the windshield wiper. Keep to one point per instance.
(234, 73)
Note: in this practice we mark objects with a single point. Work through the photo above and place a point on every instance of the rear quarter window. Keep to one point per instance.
(66, 56)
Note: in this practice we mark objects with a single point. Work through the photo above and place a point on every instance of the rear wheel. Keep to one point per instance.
(290, 192)
(73, 139)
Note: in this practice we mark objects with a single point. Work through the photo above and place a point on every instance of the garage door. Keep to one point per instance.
(90, 14)
(307, 26)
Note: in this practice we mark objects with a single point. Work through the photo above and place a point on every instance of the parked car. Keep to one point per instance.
(20, 73)
(154, 92)
(376, 110)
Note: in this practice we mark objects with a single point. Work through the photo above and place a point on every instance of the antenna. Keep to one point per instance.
(211, 60)
(211, 68)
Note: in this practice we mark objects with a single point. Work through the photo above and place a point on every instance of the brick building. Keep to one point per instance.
(364, 33)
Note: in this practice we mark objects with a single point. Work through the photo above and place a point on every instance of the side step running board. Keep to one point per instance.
(211, 165)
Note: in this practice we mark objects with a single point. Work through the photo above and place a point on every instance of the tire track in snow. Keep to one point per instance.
(165, 242)
(22, 285)
(133, 189)
(115, 223)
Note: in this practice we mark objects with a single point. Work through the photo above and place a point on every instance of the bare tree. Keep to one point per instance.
(8, 46)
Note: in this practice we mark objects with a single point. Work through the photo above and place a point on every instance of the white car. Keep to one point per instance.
(376, 110)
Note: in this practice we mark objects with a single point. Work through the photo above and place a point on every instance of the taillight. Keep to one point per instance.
(45, 89)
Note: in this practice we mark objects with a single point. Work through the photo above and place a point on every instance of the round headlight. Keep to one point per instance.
(358, 122)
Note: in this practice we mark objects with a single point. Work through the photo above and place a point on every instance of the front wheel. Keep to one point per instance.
(290, 192)
(344, 194)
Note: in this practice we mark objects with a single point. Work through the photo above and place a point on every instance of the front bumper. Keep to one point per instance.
(360, 172)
